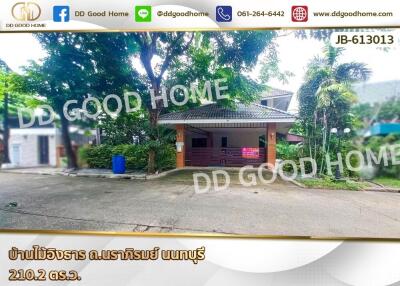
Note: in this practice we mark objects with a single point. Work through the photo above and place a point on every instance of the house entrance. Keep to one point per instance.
(43, 150)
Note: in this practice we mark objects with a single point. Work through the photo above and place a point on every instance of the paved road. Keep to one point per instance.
(170, 205)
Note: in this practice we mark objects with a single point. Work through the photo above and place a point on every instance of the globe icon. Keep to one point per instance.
(299, 14)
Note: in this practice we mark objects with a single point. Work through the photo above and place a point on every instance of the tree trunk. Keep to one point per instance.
(66, 140)
(151, 164)
(6, 134)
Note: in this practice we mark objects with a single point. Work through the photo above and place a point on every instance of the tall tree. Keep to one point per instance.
(325, 99)
(12, 97)
(61, 76)
(78, 66)
(183, 56)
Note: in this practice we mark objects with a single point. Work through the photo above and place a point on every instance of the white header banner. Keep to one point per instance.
(162, 15)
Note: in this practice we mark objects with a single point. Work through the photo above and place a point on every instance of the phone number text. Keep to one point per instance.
(244, 13)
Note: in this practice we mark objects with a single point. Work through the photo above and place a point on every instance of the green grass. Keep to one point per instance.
(388, 182)
(319, 183)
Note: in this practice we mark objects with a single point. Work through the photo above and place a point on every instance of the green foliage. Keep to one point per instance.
(286, 151)
(76, 68)
(217, 55)
(382, 111)
(123, 128)
(325, 100)
(166, 157)
(97, 156)
(136, 156)
(375, 143)
(11, 83)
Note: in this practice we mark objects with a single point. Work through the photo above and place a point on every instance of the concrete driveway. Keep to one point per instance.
(171, 205)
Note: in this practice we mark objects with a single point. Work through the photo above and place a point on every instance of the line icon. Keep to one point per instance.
(143, 13)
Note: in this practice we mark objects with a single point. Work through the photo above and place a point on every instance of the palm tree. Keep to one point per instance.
(326, 96)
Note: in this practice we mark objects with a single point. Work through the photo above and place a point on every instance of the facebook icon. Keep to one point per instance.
(61, 13)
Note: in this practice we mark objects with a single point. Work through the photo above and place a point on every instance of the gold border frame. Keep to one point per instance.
(202, 29)
(190, 235)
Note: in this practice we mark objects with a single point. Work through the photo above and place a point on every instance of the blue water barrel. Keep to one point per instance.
(118, 164)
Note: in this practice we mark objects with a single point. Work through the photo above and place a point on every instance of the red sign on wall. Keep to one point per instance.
(250, 153)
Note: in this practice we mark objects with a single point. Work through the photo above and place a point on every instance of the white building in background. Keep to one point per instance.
(40, 145)
(31, 147)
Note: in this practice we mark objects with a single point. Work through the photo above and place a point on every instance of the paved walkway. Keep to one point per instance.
(169, 204)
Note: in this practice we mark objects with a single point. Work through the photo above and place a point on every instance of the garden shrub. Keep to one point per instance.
(374, 143)
(136, 156)
(165, 157)
(287, 151)
(96, 156)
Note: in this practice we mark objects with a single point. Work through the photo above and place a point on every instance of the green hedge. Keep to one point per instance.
(96, 156)
(136, 156)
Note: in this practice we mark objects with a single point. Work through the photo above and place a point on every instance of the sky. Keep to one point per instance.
(18, 48)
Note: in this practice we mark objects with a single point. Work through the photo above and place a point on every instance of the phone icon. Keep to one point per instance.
(224, 13)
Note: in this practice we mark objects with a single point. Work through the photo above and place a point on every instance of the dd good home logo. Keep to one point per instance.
(26, 11)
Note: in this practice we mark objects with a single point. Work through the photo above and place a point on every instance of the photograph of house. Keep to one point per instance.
(144, 120)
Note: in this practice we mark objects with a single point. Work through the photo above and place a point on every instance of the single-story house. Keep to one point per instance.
(35, 146)
(39, 145)
(213, 135)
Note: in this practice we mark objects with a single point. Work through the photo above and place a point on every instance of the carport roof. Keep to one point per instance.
(213, 113)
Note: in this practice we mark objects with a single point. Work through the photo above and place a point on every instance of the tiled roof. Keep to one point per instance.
(275, 92)
(242, 112)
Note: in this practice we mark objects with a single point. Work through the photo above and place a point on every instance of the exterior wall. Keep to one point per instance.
(278, 103)
(29, 146)
(189, 136)
(233, 155)
(236, 138)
